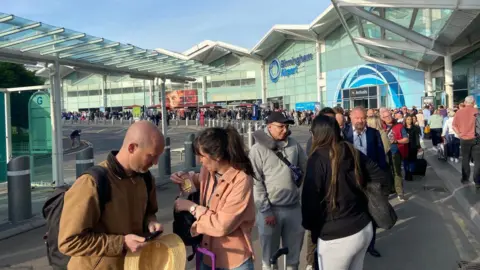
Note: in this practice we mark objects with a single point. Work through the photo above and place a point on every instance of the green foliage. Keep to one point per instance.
(15, 75)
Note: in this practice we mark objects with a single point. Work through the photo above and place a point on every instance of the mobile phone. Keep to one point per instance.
(152, 235)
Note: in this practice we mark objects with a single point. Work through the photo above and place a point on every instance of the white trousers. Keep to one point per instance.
(345, 253)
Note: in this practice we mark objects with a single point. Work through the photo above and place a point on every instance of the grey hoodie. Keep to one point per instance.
(273, 179)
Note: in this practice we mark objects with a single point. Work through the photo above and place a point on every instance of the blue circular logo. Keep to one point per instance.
(274, 70)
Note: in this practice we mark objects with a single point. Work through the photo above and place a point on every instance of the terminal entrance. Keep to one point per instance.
(371, 97)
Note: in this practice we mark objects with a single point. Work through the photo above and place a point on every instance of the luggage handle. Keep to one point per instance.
(208, 253)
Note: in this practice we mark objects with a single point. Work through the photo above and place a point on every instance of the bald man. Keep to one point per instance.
(100, 240)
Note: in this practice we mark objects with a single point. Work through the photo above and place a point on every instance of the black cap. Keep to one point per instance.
(279, 117)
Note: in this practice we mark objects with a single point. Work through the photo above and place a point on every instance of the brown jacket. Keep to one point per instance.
(94, 241)
(227, 224)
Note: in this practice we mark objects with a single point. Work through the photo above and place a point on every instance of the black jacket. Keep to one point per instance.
(351, 213)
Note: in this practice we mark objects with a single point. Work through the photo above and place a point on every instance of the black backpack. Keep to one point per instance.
(52, 211)
(182, 223)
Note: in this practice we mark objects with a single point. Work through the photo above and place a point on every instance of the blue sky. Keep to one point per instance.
(173, 25)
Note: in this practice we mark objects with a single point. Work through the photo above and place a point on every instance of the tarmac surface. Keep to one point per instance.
(433, 230)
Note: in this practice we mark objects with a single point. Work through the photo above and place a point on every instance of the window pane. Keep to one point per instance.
(373, 103)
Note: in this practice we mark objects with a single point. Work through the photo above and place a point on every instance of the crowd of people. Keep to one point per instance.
(284, 190)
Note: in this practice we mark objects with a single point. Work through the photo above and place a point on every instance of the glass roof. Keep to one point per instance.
(386, 30)
(45, 42)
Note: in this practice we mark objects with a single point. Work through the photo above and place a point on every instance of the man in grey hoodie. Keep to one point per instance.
(276, 194)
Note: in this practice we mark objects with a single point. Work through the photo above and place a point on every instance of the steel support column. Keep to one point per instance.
(449, 80)
(151, 89)
(204, 90)
(319, 71)
(428, 82)
(263, 82)
(164, 108)
(55, 115)
(104, 95)
(8, 127)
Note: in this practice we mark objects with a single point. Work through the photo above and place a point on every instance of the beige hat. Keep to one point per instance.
(164, 253)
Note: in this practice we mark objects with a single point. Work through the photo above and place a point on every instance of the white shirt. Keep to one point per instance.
(360, 140)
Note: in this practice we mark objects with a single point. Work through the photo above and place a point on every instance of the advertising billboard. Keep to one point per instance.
(182, 98)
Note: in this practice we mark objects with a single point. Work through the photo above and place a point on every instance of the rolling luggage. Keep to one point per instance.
(442, 152)
(420, 167)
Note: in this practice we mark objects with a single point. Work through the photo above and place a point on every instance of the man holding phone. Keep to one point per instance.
(100, 240)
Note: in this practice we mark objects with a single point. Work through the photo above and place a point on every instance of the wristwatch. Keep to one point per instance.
(192, 209)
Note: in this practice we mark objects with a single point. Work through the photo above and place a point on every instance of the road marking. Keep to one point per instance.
(102, 130)
(121, 130)
(20, 253)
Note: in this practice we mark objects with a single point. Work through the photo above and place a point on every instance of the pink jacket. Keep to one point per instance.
(227, 224)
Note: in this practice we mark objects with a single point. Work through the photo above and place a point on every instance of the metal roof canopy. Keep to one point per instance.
(30, 42)
(208, 51)
(414, 34)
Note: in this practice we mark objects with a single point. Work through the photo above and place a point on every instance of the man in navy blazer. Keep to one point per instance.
(364, 138)
(368, 141)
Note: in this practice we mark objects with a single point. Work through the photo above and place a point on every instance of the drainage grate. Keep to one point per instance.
(464, 265)
(436, 189)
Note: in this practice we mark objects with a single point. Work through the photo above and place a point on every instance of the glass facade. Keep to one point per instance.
(290, 82)
(345, 69)
(466, 78)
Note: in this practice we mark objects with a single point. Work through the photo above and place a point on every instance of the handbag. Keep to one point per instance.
(379, 207)
(297, 174)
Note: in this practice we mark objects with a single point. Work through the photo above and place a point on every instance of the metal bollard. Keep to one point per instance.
(251, 139)
(84, 160)
(113, 121)
(196, 122)
(130, 120)
(164, 162)
(96, 120)
(222, 124)
(19, 189)
(189, 152)
(186, 121)
(176, 122)
(256, 125)
(121, 121)
(243, 126)
(209, 124)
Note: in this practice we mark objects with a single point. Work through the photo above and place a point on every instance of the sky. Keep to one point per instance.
(172, 25)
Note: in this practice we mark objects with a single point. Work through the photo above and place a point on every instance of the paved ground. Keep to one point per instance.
(432, 232)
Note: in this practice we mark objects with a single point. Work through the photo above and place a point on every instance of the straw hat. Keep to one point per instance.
(164, 253)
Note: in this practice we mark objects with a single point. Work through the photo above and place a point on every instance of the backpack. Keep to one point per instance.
(477, 126)
(52, 211)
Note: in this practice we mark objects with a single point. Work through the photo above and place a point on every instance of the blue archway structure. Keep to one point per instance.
(369, 75)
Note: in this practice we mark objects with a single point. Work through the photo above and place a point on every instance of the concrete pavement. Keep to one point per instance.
(432, 233)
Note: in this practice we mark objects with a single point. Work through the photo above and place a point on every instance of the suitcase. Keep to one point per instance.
(442, 152)
(420, 167)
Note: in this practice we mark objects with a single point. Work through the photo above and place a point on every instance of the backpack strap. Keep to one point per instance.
(103, 185)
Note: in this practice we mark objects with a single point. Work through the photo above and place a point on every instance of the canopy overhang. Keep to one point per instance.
(209, 51)
(416, 34)
(30, 42)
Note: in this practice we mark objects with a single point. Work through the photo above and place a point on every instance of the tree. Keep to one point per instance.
(15, 75)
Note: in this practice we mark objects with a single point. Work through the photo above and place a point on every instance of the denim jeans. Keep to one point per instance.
(453, 146)
(247, 265)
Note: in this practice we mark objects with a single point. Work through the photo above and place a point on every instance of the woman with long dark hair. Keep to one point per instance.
(413, 146)
(225, 215)
(334, 207)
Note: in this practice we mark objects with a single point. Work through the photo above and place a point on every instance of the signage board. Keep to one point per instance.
(286, 68)
(39, 123)
(306, 106)
(358, 92)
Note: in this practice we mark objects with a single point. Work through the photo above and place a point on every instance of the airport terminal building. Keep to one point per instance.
(385, 54)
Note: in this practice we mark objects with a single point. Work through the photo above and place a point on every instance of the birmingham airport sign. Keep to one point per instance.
(284, 68)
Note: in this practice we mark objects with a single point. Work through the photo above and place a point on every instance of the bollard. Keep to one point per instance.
(71, 121)
(19, 189)
(176, 122)
(251, 139)
(186, 121)
(189, 152)
(121, 121)
(243, 126)
(256, 125)
(221, 124)
(164, 162)
(85, 160)
(209, 124)
(113, 121)
(96, 120)
(130, 120)
(196, 122)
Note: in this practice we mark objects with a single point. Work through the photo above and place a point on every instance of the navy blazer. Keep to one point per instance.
(375, 150)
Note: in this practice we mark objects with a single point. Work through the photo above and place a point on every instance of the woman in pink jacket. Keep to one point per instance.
(226, 213)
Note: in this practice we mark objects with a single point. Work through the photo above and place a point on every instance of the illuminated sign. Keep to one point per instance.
(284, 68)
